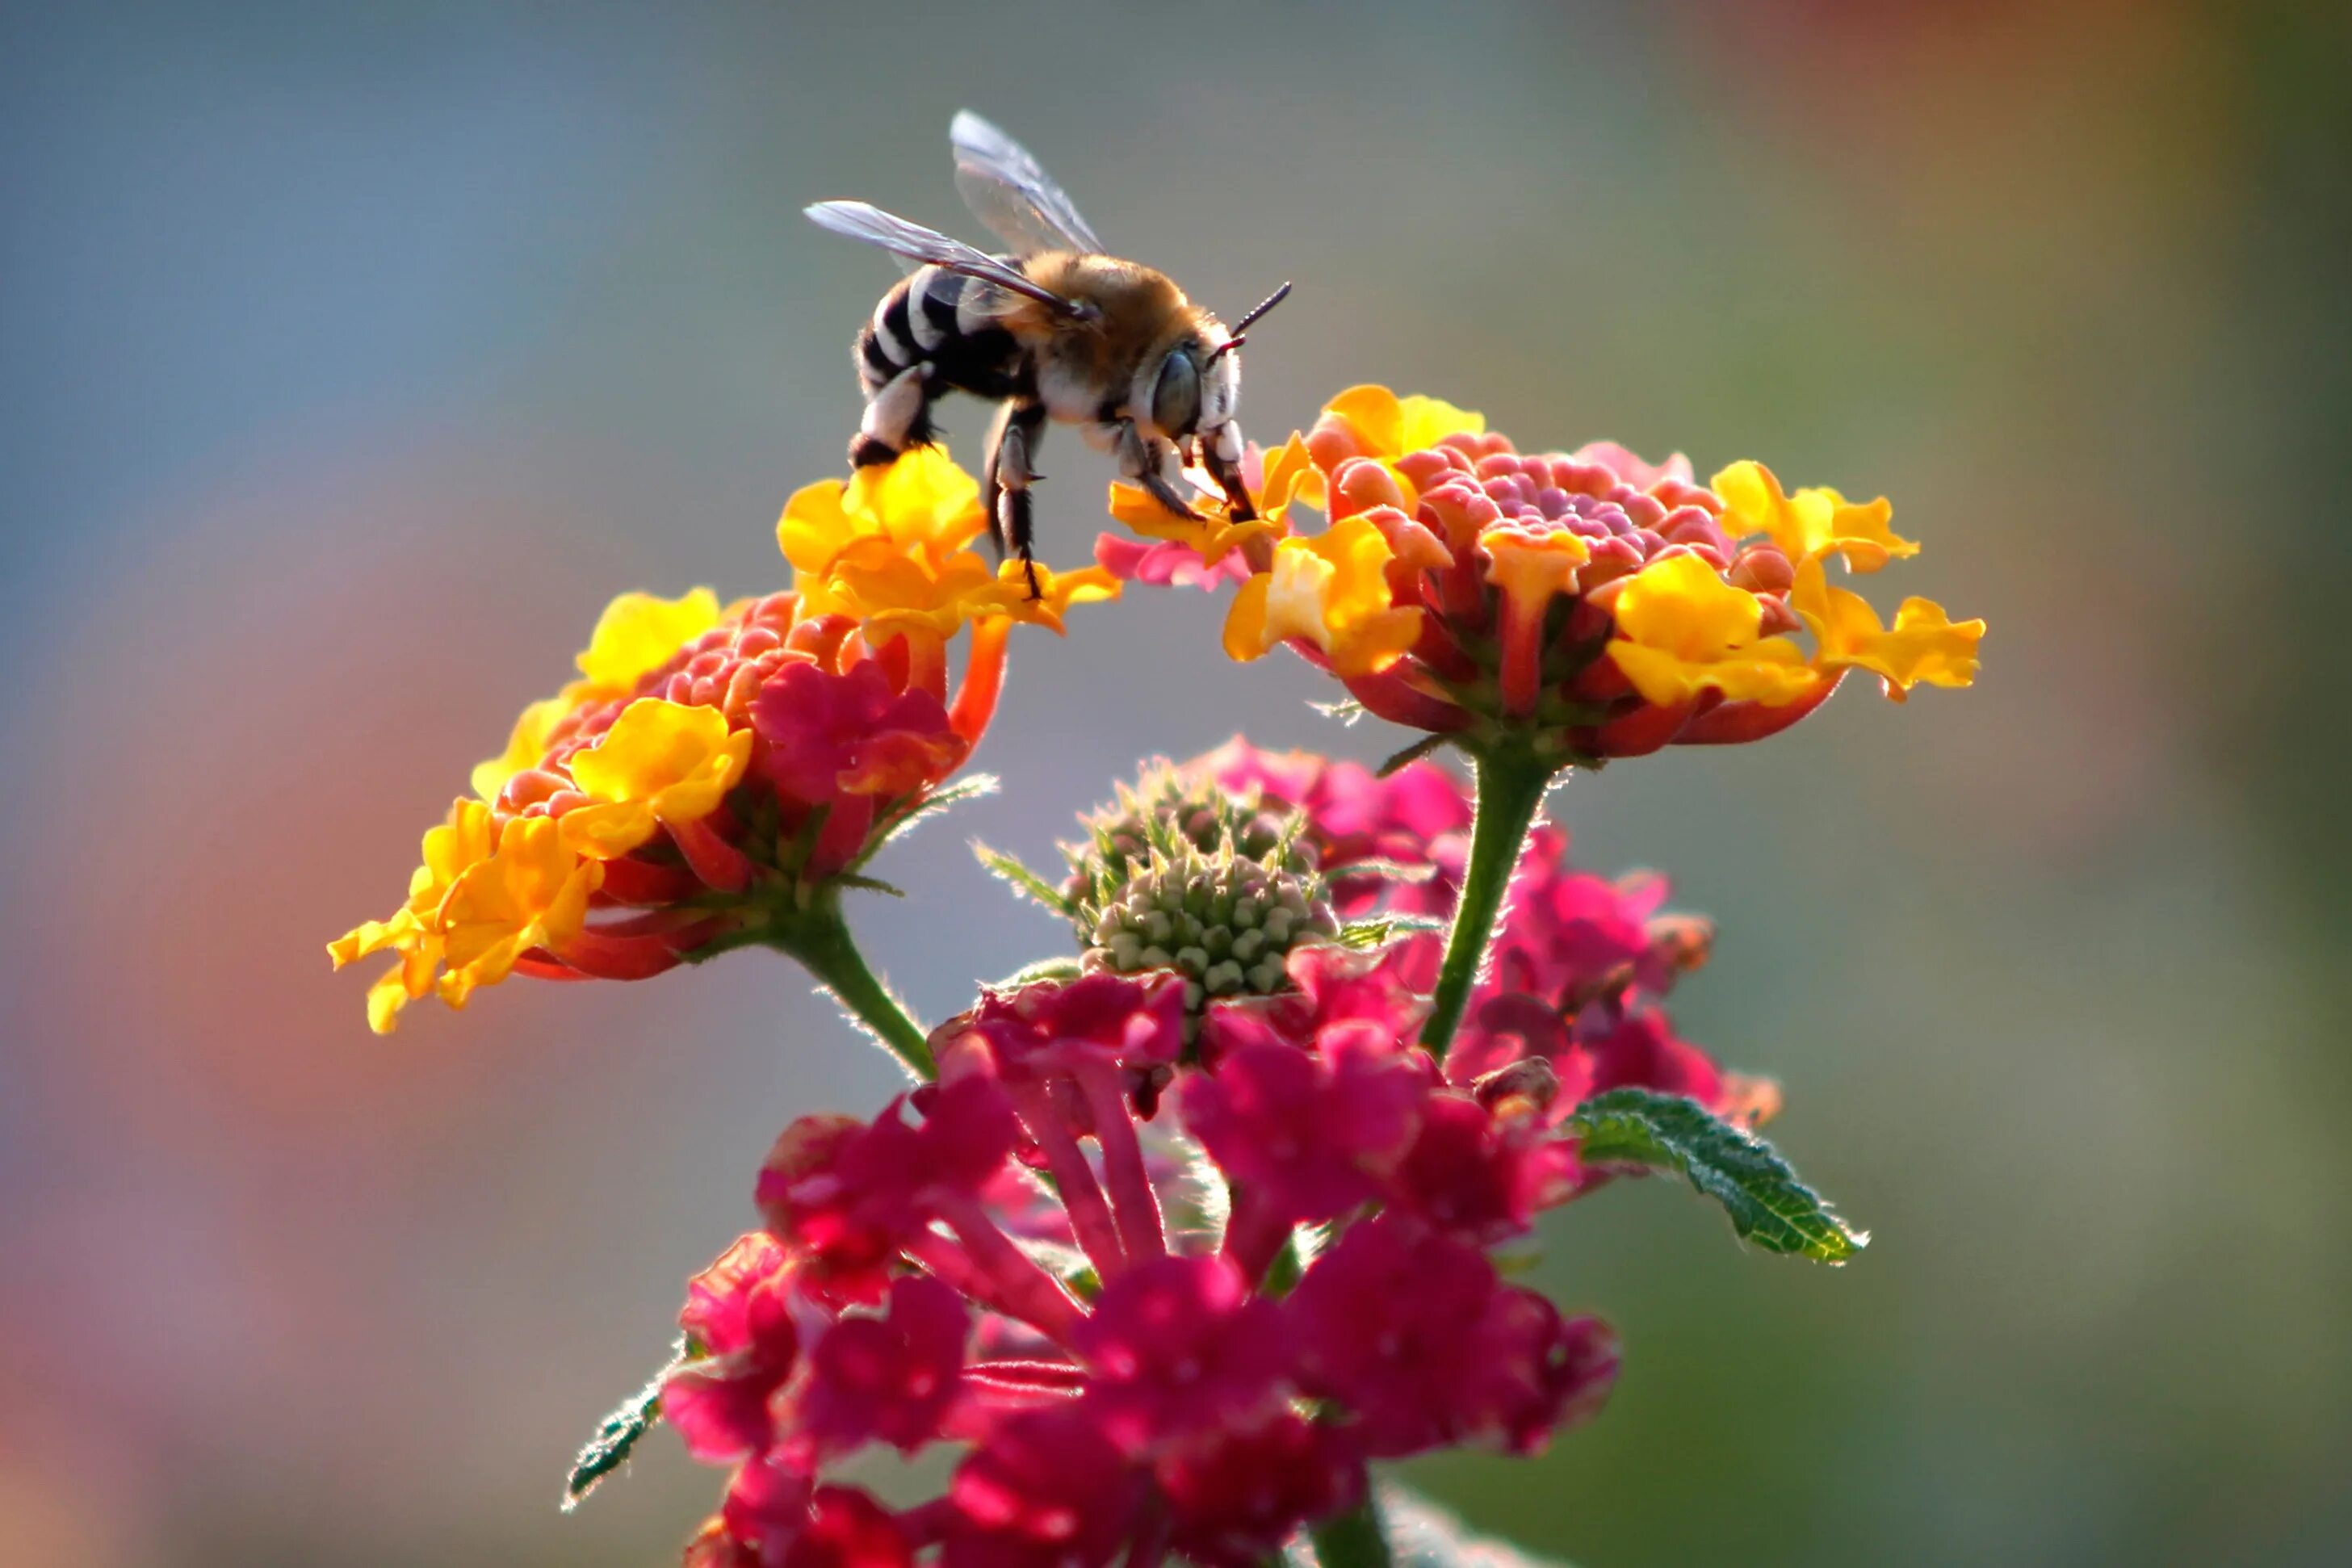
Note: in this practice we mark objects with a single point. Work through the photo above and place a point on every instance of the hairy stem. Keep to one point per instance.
(1510, 791)
(821, 940)
(1354, 1539)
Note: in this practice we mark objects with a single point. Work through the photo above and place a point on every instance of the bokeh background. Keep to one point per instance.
(354, 356)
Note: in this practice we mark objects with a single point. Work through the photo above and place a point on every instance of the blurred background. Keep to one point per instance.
(354, 356)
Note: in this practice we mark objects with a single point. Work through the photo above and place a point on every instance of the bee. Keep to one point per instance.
(1054, 329)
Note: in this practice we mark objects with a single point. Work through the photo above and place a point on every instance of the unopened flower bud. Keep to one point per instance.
(1225, 922)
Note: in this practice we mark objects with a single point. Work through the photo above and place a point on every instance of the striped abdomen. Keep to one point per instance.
(926, 338)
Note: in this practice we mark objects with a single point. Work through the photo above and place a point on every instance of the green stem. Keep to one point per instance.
(1510, 791)
(821, 940)
(1354, 1539)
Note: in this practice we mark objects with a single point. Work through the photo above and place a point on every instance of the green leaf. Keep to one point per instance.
(1379, 930)
(1024, 881)
(617, 1434)
(871, 885)
(1767, 1204)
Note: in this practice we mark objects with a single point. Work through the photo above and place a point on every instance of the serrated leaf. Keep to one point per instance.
(1036, 974)
(618, 1432)
(1767, 1203)
(1024, 881)
(870, 884)
(1379, 930)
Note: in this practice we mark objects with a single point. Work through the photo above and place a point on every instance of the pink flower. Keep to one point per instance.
(1414, 1333)
(1180, 1348)
(889, 1379)
(1238, 1499)
(1643, 1052)
(1057, 1028)
(848, 1199)
(1167, 1403)
(827, 735)
(1480, 1176)
(1341, 997)
(1167, 562)
(1045, 1491)
(1309, 1136)
(738, 1313)
(848, 1529)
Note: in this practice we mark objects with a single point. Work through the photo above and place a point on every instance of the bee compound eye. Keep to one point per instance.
(1176, 396)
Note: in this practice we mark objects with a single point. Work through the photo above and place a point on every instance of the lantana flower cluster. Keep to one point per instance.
(713, 771)
(1599, 605)
(1168, 1292)
(1182, 1230)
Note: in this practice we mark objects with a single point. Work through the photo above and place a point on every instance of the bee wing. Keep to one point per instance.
(913, 242)
(1008, 191)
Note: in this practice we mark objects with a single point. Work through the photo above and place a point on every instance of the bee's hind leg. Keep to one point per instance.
(1010, 471)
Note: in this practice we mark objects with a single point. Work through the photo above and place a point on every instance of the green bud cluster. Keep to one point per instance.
(1165, 813)
(1223, 920)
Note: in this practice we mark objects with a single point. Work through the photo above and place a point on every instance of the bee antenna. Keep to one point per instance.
(1241, 327)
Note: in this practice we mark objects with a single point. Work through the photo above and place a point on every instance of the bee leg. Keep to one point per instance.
(898, 416)
(1010, 471)
(1141, 461)
(1220, 454)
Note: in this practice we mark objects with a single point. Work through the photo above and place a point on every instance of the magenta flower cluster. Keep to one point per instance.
(1171, 1299)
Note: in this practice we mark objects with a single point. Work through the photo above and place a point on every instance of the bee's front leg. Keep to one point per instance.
(1010, 471)
(1144, 461)
(1220, 454)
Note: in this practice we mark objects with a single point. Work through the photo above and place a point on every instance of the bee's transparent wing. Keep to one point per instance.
(1007, 190)
(913, 242)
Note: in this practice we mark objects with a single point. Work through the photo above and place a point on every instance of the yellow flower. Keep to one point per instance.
(1332, 590)
(467, 838)
(1681, 630)
(1289, 475)
(660, 763)
(1811, 523)
(1389, 426)
(1924, 645)
(533, 892)
(921, 507)
(1531, 563)
(636, 635)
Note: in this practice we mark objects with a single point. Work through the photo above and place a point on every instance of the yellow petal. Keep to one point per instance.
(533, 891)
(1813, 522)
(1925, 646)
(1426, 421)
(1680, 604)
(528, 741)
(639, 632)
(1531, 564)
(1244, 636)
(1330, 589)
(923, 500)
(655, 745)
(1773, 672)
(814, 526)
